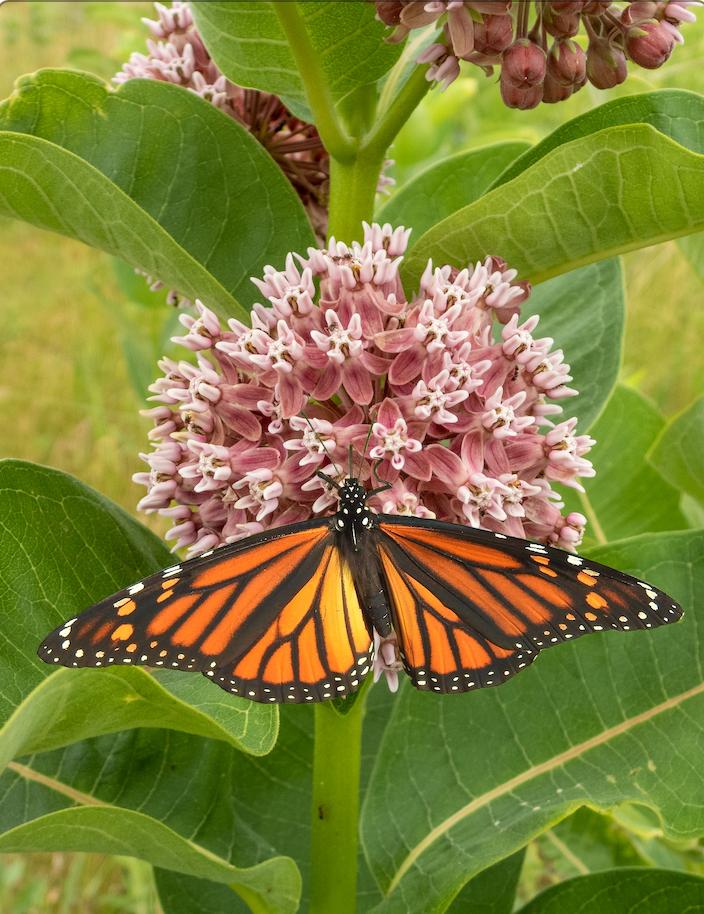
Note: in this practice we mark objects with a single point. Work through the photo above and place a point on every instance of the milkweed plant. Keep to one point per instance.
(459, 336)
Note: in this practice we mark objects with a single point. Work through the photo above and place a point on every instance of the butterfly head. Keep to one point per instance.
(352, 512)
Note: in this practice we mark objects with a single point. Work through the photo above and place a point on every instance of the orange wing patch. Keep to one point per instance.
(274, 618)
(441, 653)
(472, 608)
(318, 646)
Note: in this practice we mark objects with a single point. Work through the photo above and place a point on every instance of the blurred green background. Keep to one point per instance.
(79, 339)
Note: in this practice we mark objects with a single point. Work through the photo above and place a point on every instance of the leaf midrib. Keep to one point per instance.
(29, 774)
(535, 771)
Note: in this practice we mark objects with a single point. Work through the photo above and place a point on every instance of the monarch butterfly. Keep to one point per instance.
(288, 615)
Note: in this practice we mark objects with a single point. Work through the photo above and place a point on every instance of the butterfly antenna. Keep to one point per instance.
(364, 452)
(322, 442)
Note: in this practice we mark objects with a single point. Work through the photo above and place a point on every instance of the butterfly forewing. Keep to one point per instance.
(272, 618)
(472, 608)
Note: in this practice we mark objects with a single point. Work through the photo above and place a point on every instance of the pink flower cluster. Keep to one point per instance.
(460, 416)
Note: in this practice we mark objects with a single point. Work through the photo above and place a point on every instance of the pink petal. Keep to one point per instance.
(374, 364)
(357, 381)
(395, 340)
(241, 421)
(290, 394)
(256, 458)
(406, 366)
(447, 466)
(472, 452)
(329, 381)
(461, 29)
(417, 465)
(388, 413)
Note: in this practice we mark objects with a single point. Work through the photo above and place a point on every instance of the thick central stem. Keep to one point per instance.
(352, 191)
(334, 837)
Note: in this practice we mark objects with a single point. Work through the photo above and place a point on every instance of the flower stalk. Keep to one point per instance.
(334, 136)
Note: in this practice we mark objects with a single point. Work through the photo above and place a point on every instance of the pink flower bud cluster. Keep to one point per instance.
(541, 61)
(176, 54)
(457, 393)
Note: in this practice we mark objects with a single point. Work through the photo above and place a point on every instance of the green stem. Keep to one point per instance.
(332, 133)
(352, 192)
(400, 109)
(334, 831)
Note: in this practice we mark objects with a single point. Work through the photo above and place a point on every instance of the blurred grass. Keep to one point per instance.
(69, 398)
(76, 884)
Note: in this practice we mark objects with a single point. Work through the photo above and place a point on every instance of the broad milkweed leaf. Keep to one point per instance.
(629, 891)
(493, 891)
(677, 453)
(63, 548)
(628, 495)
(596, 722)
(173, 799)
(674, 112)
(582, 202)
(179, 894)
(447, 185)
(585, 313)
(152, 173)
(248, 44)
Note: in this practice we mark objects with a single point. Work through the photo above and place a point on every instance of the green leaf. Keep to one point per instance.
(174, 800)
(677, 453)
(584, 842)
(65, 547)
(584, 312)
(627, 496)
(674, 112)
(248, 44)
(461, 782)
(181, 894)
(152, 173)
(493, 891)
(625, 891)
(582, 202)
(446, 186)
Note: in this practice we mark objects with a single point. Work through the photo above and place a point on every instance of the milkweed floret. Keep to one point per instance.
(459, 395)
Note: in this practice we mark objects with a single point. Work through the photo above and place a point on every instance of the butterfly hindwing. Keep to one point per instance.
(472, 608)
(272, 618)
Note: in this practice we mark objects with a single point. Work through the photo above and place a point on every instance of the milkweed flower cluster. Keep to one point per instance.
(176, 54)
(541, 60)
(458, 394)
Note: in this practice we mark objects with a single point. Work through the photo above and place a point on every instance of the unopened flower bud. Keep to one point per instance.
(567, 6)
(567, 62)
(638, 11)
(523, 66)
(389, 11)
(561, 24)
(649, 44)
(606, 65)
(595, 7)
(522, 97)
(493, 35)
(554, 90)
(490, 7)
